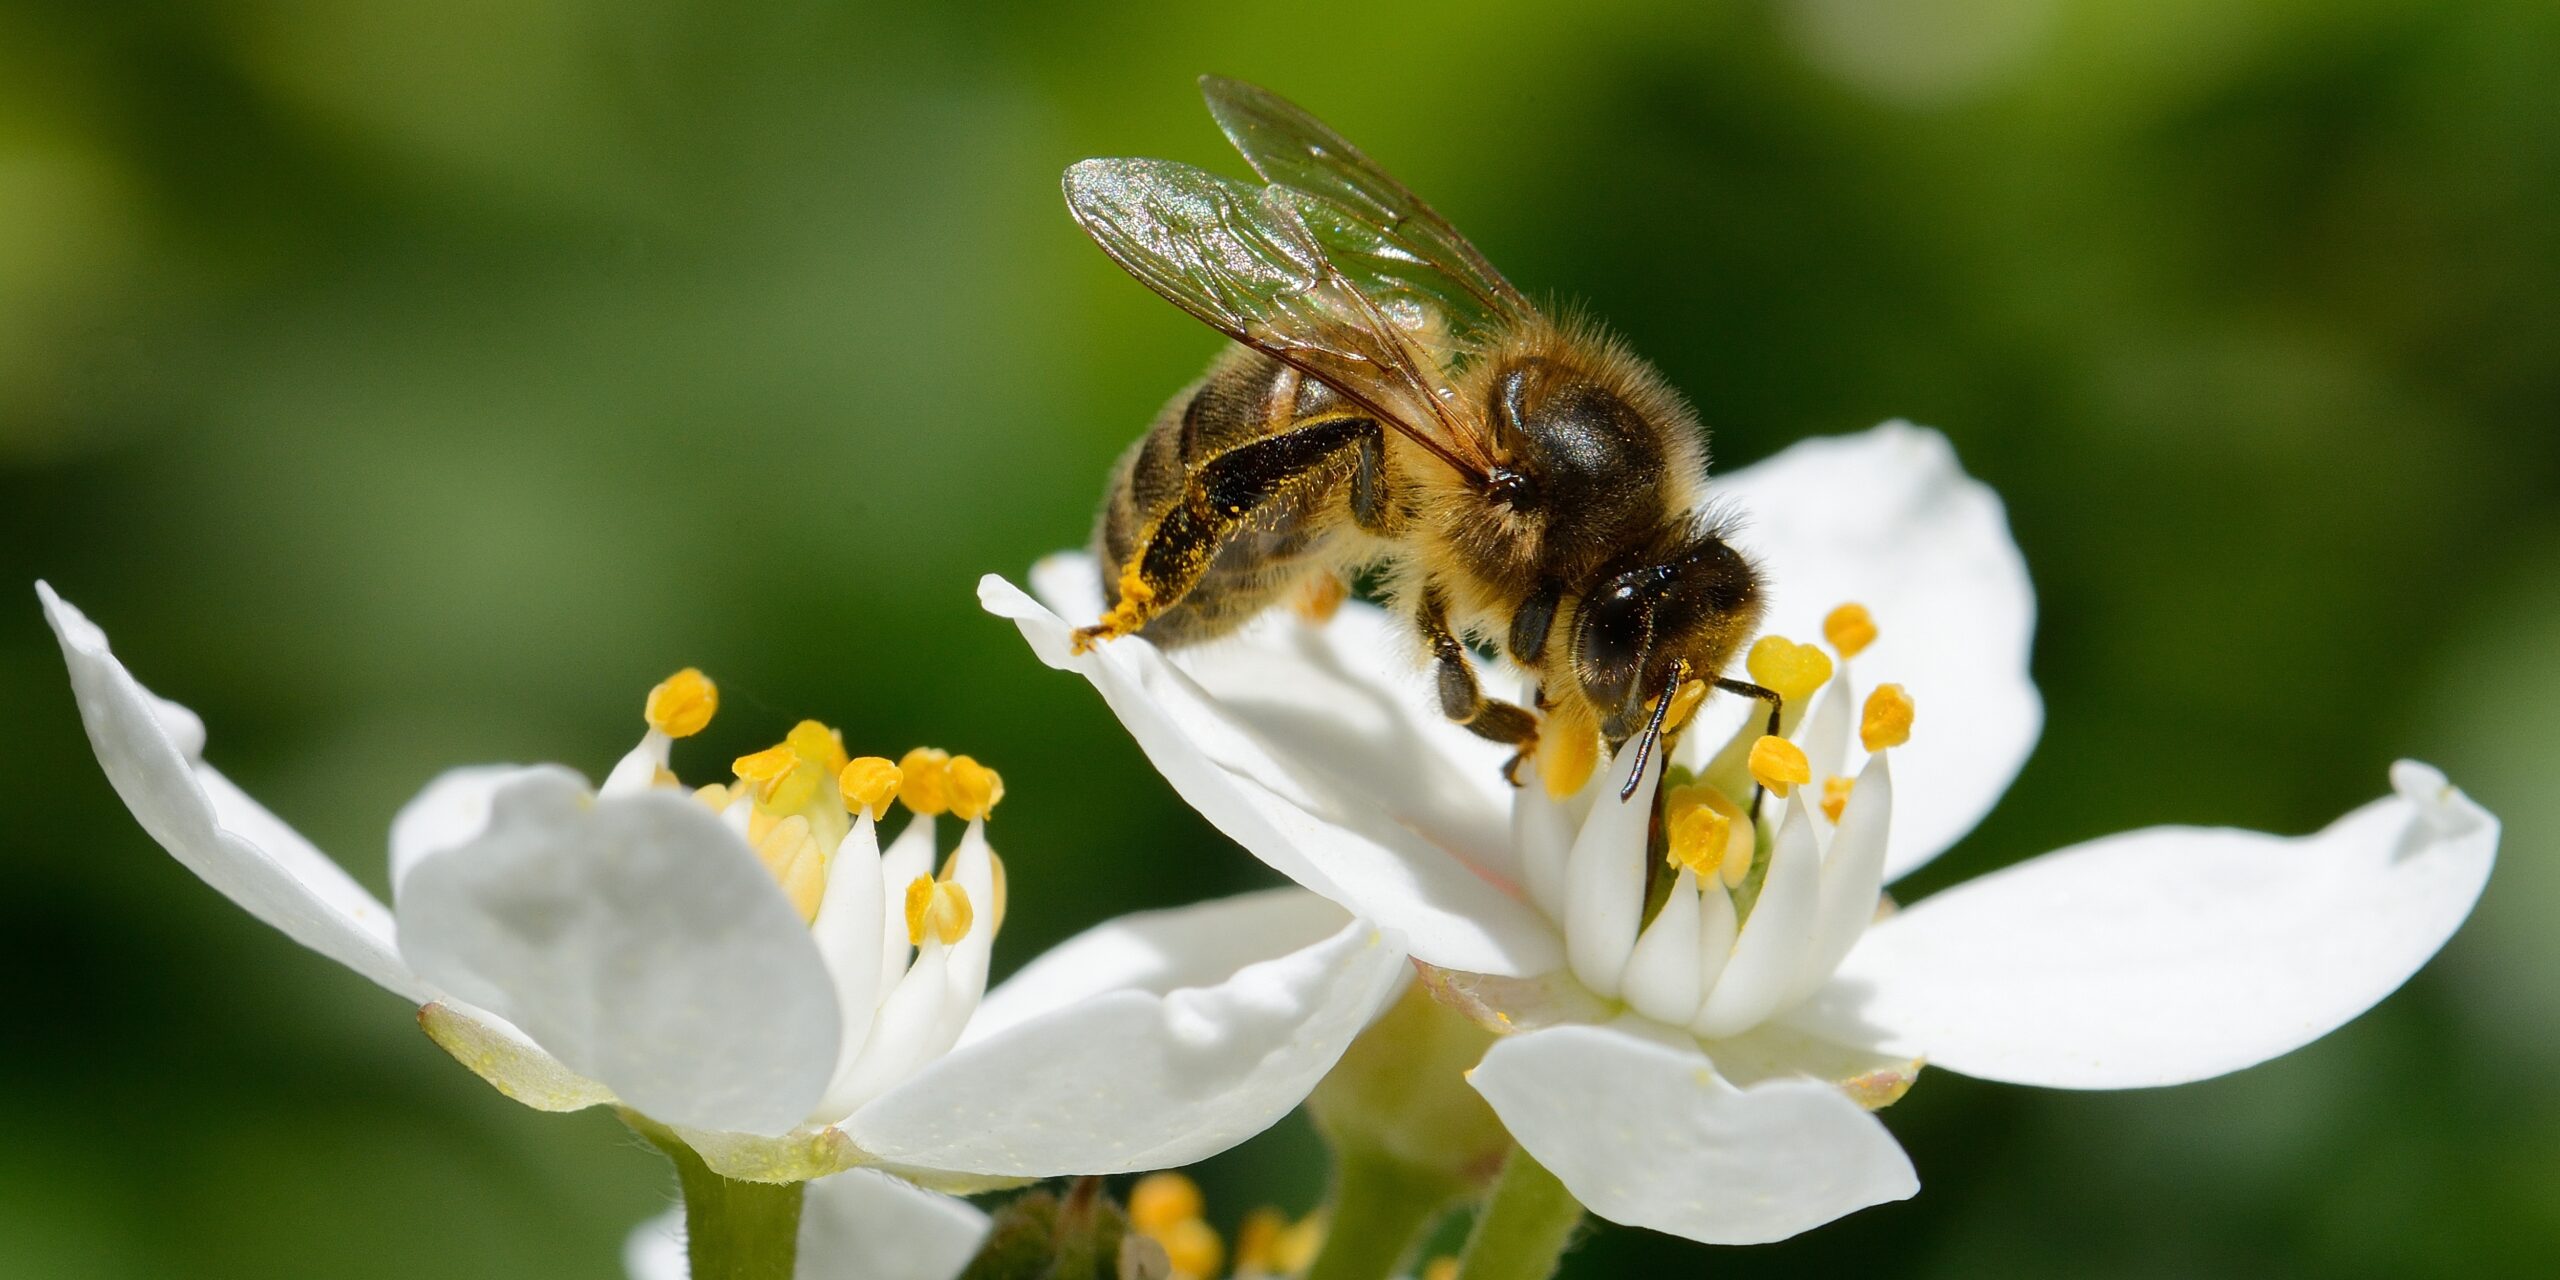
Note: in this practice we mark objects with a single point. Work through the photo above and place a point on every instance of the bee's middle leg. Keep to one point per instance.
(1463, 700)
(1225, 494)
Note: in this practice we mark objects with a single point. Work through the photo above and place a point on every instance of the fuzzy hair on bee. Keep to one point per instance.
(1391, 403)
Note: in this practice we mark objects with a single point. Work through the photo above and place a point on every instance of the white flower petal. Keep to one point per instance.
(148, 748)
(449, 812)
(638, 942)
(1542, 830)
(1159, 951)
(1647, 1134)
(1852, 876)
(2171, 954)
(858, 1225)
(1133, 1080)
(1304, 822)
(866, 1225)
(1662, 978)
(847, 931)
(1770, 954)
(509, 1060)
(1605, 873)
(1889, 520)
(908, 856)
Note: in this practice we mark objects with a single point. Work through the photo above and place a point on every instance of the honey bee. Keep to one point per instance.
(1391, 402)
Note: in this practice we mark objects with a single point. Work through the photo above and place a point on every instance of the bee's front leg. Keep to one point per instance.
(1463, 700)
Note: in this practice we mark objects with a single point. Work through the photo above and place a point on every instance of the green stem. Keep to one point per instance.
(1523, 1232)
(732, 1230)
(1380, 1208)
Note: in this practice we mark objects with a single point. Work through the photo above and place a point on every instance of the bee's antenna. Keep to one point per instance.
(1653, 729)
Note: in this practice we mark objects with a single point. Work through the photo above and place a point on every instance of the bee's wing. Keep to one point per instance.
(1245, 260)
(1382, 234)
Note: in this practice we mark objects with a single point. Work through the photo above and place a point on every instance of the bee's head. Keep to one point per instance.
(1689, 599)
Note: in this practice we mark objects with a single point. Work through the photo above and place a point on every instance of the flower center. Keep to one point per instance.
(1771, 850)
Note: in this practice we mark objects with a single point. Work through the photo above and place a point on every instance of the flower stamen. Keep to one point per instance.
(1792, 670)
(869, 784)
(1887, 721)
(1708, 833)
(925, 780)
(682, 704)
(937, 907)
(1779, 764)
(1850, 629)
(1835, 796)
(789, 850)
(973, 788)
(1568, 748)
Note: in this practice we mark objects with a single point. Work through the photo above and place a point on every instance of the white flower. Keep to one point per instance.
(1709, 1074)
(742, 972)
(858, 1225)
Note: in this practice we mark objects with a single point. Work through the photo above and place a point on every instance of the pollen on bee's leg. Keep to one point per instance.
(1319, 598)
(1850, 629)
(1684, 703)
(1835, 796)
(1120, 619)
(972, 788)
(682, 704)
(1887, 722)
(936, 907)
(1779, 764)
(1568, 748)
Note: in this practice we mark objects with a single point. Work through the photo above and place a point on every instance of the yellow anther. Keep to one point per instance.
(938, 907)
(995, 909)
(869, 784)
(1835, 796)
(1708, 833)
(767, 766)
(791, 853)
(1160, 1200)
(1444, 1267)
(1887, 722)
(1258, 1242)
(1298, 1245)
(682, 703)
(714, 796)
(1850, 629)
(1193, 1247)
(1568, 748)
(974, 788)
(663, 776)
(817, 744)
(1779, 764)
(1793, 670)
(925, 780)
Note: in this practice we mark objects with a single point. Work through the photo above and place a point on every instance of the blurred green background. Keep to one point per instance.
(409, 384)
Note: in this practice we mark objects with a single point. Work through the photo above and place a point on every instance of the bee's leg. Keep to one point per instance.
(1462, 700)
(1777, 705)
(1221, 496)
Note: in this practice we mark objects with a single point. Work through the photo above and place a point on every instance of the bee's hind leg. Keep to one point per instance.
(1464, 701)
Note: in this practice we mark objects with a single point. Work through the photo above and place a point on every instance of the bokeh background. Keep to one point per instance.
(410, 384)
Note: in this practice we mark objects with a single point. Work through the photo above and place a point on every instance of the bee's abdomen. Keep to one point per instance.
(1244, 397)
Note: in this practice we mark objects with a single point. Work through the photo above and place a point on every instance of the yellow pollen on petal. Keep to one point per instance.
(938, 907)
(1779, 764)
(1160, 1200)
(1568, 748)
(682, 703)
(1193, 1247)
(817, 744)
(1850, 629)
(791, 853)
(1792, 670)
(974, 788)
(1887, 722)
(870, 783)
(925, 780)
(1835, 796)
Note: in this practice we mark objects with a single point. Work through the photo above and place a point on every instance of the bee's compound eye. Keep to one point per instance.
(1611, 634)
